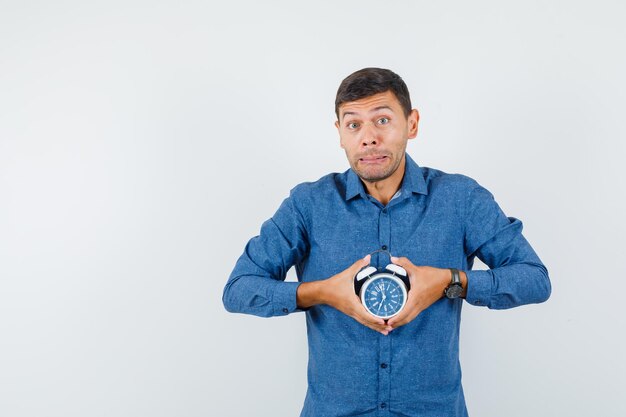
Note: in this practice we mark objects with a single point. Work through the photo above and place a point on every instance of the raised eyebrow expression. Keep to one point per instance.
(377, 109)
(373, 112)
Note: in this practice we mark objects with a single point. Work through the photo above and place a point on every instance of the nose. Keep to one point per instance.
(368, 135)
(369, 141)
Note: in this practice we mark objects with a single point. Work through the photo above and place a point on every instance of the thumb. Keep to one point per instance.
(402, 261)
(361, 263)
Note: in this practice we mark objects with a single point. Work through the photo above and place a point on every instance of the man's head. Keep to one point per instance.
(375, 121)
(369, 81)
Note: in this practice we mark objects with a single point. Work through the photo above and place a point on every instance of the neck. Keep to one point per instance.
(384, 190)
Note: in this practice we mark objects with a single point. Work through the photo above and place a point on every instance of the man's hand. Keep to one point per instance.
(338, 292)
(427, 286)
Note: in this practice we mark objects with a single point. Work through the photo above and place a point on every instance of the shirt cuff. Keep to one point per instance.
(284, 298)
(479, 287)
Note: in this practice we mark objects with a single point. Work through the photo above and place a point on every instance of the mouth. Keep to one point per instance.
(373, 159)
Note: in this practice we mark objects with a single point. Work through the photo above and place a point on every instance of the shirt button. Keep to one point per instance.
(285, 310)
(384, 211)
(384, 247)
(383, 405)
(383, 365)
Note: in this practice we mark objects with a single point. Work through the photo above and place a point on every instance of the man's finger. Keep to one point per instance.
(374, 323)
(399, 320)
(365, 261)
(379, 327)
(402, 261)
(365, 316)
(361, 263)
(403, 318)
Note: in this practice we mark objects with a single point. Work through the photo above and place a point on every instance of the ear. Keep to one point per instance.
(339, 131)
(413, 120)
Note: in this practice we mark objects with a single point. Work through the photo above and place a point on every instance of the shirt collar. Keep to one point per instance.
(413, 181)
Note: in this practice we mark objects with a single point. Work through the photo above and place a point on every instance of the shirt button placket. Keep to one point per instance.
(384, 231)
(384, 370)
(384, 375)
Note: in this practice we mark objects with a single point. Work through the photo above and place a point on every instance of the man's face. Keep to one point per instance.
(374, 132)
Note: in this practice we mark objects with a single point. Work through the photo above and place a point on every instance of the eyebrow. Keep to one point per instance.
(373, 111)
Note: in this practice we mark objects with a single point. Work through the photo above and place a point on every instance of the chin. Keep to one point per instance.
(374, 176)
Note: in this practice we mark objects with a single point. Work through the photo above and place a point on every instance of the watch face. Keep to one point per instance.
(383, 295)
(454, 291)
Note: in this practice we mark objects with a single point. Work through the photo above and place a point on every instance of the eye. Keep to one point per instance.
(353, 125)
(383, 121)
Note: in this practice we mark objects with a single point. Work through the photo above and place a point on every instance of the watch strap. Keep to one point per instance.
(456, 276)
(455, 288)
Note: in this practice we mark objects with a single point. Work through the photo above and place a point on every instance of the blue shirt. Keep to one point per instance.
(436, 219)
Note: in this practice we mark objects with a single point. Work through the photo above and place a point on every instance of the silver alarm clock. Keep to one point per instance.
(382, 293)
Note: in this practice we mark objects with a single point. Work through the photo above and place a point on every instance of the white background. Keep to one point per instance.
(142, 143)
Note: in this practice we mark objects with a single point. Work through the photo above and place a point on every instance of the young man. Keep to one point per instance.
(437, 223)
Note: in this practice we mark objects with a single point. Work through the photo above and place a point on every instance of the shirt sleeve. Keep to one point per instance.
(516, 275)
(257, 284)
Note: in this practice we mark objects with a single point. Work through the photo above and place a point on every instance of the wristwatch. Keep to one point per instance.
(455, 289)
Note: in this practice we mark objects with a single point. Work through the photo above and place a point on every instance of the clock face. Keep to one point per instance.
(383, 295)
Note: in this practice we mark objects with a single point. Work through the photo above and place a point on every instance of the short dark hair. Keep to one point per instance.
(369, 81)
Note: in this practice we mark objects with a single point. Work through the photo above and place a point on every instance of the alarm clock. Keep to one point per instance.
(383, 293)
